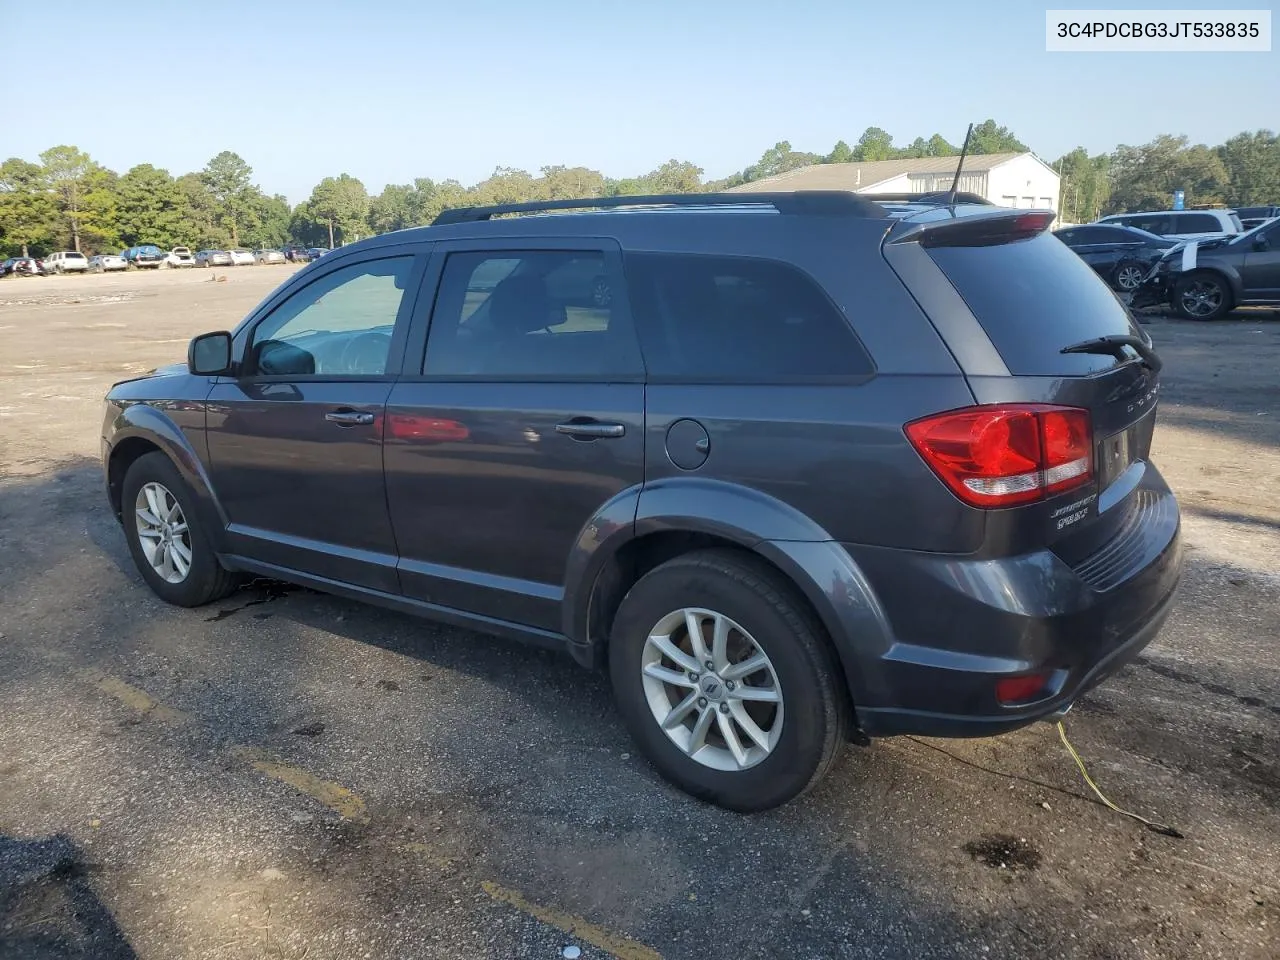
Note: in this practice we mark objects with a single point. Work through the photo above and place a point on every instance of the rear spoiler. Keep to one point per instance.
(975, 229)
(935, 198)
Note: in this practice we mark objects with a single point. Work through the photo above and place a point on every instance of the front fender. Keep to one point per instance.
(176, 427)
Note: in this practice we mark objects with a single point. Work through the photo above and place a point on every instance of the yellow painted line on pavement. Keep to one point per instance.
(132, 697)
(623, 948)
(335, 796)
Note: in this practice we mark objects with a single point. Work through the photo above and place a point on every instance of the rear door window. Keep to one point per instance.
(530, 315)
(1034, 297)
(1157, 223)
(1093, 235)
(1196, 223)
(738, 319)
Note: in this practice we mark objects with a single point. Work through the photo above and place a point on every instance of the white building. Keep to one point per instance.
(1007, 179)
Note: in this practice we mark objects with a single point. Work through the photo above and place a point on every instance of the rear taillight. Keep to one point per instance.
(1007, 454)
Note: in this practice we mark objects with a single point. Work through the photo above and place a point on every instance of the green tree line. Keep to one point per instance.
(66, 200)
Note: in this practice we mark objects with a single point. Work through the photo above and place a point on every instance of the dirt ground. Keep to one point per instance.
(291, 775)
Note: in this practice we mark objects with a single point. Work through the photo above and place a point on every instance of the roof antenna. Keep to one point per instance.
(955, 184)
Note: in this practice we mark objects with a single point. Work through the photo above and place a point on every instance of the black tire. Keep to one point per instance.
(1202, 295)
(816, 715)
(206, 579)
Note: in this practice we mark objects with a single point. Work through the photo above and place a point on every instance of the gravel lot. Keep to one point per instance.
(290, 775)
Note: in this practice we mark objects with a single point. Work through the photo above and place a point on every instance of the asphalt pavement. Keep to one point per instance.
(289, 775)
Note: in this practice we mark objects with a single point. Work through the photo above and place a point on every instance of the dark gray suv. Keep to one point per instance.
(796, 468)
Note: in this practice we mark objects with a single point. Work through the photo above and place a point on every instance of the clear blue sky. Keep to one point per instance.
(391, 90)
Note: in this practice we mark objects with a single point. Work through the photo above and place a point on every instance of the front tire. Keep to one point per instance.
(1202, 296)
(1129, 275)
(726, 681)
(166, 536)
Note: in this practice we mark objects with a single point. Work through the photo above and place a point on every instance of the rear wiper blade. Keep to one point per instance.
(1114, 345)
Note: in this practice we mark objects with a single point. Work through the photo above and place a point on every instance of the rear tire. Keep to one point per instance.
(1202, 295)
(178, 565)
(796, 698)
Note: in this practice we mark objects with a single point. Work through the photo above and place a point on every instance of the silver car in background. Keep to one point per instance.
(107, 263)
(269, 256)
(213, 258)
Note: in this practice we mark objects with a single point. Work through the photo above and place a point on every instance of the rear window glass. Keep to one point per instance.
(1196, 223)
(1034, 297)
(708, 318)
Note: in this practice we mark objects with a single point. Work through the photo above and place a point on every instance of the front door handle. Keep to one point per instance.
(590, 429)
(349, 418)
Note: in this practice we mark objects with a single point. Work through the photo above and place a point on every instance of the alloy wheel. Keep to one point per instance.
(1129, 277)
(712, 689)
(1201, 298)
(162, 532)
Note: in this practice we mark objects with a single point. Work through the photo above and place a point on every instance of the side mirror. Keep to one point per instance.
(210, 354)
(1261, 243)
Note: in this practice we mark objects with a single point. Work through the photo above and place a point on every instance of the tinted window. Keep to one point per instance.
(1196, 223)
(1101, 235)
(1034, 297)
(734, 318)
(1157, 223)
(532, 313)
(337, 325)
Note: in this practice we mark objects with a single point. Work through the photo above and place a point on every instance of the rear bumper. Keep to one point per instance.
(959, 625)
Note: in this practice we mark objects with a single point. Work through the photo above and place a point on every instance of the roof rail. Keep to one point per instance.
(937, 198)
(810, 202)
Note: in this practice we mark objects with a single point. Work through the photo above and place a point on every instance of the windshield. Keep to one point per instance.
(1247, 236)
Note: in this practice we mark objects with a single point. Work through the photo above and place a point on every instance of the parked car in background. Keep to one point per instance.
(1251, 217)
(66, 261)
(781, 522)
(22, 267)
(1181, 224)
(269, 256)
(242, 258)
(296, 254)
(146, 255)
(106, 263)
(180, 257)
(315, 253)
(1122, 256)
(213, 258)
(1207, 279)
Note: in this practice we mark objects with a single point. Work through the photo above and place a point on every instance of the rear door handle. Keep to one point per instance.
(349, 418)
(590, 429)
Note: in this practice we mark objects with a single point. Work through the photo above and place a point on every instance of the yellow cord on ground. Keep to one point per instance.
(1161, 828)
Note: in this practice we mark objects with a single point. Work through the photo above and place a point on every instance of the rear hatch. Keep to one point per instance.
(1036, 331)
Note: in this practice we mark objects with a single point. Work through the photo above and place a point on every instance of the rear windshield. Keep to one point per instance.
(1034, 297)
